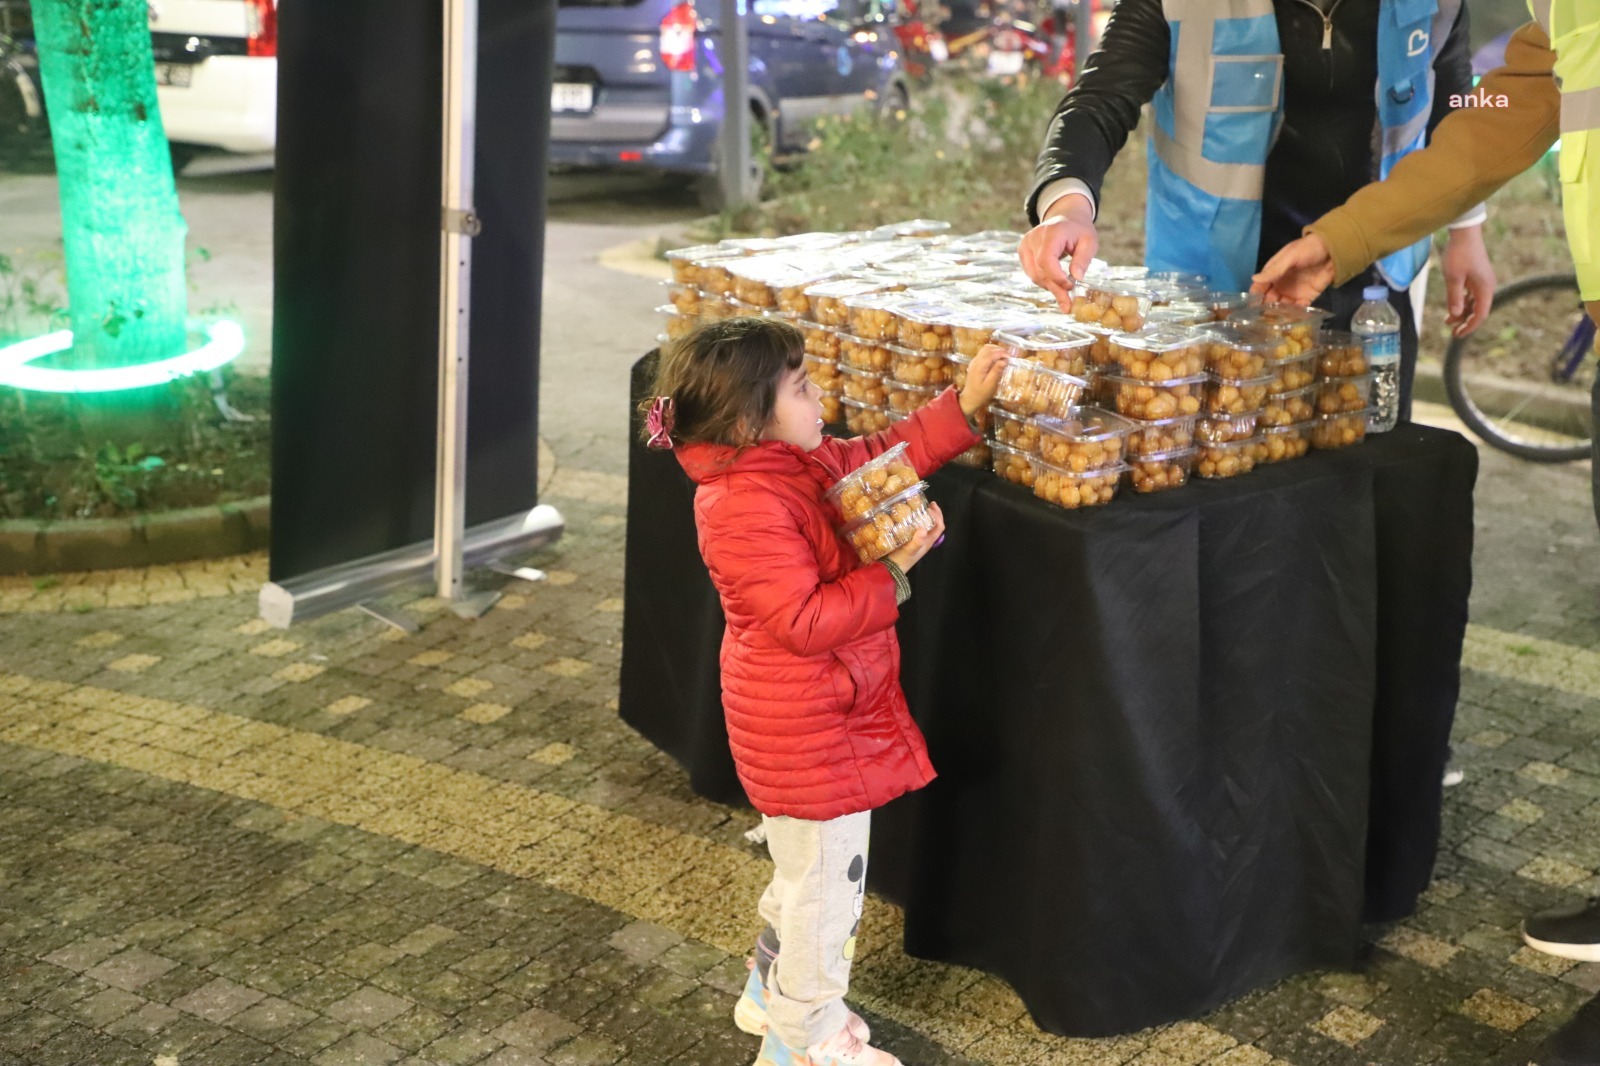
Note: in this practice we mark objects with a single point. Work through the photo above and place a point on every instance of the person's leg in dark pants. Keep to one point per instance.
(1594, 446)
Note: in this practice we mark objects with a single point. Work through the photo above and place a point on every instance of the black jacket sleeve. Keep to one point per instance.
(1452, 70)
(1093, 120)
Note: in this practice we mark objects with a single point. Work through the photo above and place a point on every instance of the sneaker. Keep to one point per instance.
(1571, 933)
(841, 1049)
(750, 1013)
(1453, 776)
(1575, 1044)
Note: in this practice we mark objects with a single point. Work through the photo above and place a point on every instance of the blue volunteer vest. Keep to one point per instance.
(1218, 114)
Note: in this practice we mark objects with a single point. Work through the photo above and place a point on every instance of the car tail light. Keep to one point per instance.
(261, 20)
(677, 38)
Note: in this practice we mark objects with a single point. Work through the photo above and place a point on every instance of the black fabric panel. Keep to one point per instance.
(1165, 730)
(1424, 536)
(356, 273)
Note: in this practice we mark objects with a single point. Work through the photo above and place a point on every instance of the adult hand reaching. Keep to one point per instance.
(1469, 280)
(1297, 274)
(1066, 232)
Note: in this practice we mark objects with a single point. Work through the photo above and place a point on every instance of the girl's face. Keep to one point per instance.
(797, 412)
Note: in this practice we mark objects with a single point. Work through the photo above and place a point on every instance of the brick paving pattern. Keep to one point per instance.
(225, 844)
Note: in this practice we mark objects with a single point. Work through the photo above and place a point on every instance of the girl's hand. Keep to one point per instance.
(922, 542)
(983, 378)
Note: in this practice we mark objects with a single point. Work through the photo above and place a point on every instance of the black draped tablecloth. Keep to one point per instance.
(1186, 742)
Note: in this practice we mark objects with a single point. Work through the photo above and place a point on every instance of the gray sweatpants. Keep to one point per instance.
(814, 902)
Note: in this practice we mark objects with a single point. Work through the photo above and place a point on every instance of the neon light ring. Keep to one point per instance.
(224, 343)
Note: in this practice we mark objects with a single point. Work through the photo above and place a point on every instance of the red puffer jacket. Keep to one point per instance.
(810, 663)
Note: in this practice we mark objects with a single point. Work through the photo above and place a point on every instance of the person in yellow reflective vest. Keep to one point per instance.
(1549, 87)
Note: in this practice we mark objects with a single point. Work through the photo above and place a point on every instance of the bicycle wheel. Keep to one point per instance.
(1518, 382)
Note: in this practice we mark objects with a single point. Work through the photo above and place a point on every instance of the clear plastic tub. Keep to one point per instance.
(1224, 305)
(1341, 430)
(1235, 354)
(832, 407)
(907, 398)
(1287, 408)
(1293, 326)
(872, 315)
(791, 288)
(1029, 389)
(1070, 489)
(686, 298)
(1111, 304)
(1015, 431)
(678, 323)
(890, 525)
(971, 331)
(1342, 354)
(1339, 395)
(1011, 465)
(864, 354)
(1150, 401)
(1164, 292)
(1228, 459)
(872, 483)
(1101, 356)
(1220, 430)
(958, 369)
(1236, 396)
(926, 327)
(1161, 355)
(1161, 471)
(689, 264)
(1293, 373)
(821, 341)
(1162, 435)
(863, 386)
(825, 374)
(1057, 347)
(864, 418)
(976, 456)
(921, 368)
(1087, 439)
(1180, 314)
(915, 227)
(1279, 444)
(825, 300)
(756, 278)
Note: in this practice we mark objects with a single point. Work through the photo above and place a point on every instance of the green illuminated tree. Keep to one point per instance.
(123, 232)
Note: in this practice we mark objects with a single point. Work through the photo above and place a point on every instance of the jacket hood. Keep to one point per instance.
(708, 462)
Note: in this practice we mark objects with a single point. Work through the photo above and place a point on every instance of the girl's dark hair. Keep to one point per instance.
(722, 378)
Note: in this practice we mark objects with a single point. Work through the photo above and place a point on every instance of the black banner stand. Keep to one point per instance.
(368, 364)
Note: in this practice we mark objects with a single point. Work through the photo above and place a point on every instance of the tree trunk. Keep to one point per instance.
(123, 232)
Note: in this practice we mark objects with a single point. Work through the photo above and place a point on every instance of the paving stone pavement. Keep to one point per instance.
(225, 844)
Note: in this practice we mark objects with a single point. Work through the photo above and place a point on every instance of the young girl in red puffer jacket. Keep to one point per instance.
(818, 725)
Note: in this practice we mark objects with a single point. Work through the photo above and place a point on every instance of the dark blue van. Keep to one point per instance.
(638, 83)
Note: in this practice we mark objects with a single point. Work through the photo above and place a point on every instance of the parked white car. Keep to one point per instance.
(217, 72)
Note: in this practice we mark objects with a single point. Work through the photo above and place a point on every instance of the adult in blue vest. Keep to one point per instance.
(1266, 115)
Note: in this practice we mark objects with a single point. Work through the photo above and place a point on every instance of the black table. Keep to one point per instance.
(1186, 742)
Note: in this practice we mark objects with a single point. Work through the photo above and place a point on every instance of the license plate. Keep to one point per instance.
(175, 75)
(1002, 64)
(571, 96)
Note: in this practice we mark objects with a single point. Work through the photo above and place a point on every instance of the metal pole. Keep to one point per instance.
(1084, 14)
(734, 161)
(459, 225)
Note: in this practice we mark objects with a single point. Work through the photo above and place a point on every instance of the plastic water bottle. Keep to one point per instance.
(1378, 325)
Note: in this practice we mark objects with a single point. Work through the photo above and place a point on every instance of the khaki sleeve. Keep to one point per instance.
(1474, 151)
